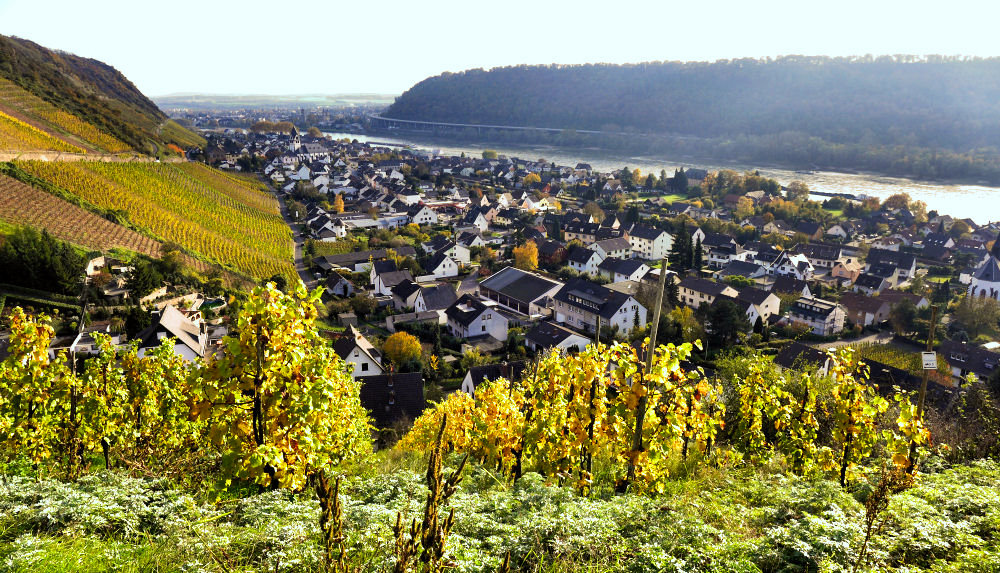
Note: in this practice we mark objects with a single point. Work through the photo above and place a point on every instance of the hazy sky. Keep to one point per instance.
(333, 46)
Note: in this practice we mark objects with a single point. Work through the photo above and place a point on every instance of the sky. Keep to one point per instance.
(338, 47)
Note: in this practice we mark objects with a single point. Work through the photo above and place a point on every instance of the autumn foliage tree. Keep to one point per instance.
(401, 349)
(279, 403)
(526, 256)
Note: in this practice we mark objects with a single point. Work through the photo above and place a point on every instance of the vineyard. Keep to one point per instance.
(601, 461)
(34, 107)
(230, 221)
(15, 135)
(23, 204)
(909, 361)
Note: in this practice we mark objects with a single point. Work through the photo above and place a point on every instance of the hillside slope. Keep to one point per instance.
(827, 111)
(103, 107)
(226, 220)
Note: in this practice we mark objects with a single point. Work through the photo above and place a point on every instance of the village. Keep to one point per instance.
(487, 261)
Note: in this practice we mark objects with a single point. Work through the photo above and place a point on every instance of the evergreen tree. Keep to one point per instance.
(673, 292)
(698, 261)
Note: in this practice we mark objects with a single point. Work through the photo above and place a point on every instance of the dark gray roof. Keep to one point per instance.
(620, 266)
(580, 255)
(740, 268)
(393, 278)
(405, 289)
(549, 334)
(591, 297)
(645, 232)
(465, 310)
(989, 271)
(393, 397)
(439, 297)
(903, 260)
(787, 284)
(752, 295)
(519, 285)
(512, 371)
(797, 354)
(703, 285)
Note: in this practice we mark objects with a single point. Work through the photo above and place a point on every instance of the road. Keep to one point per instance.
(300, 263)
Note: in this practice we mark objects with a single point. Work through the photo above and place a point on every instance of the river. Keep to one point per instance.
(977, 202)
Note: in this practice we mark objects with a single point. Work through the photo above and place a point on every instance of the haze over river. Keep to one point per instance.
(978, 202)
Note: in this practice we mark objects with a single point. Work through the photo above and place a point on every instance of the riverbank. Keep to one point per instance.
(958, 199)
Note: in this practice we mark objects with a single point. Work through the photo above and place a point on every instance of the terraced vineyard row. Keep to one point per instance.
(22, 204)
(15, 135)
(36, 108)
(242, 188)
(236, 225)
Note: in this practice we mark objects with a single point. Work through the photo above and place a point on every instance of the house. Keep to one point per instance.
(404, 294)
(823, 317)
(519, 290)
(820, 256)
(803, 357)
(865, 310)
(584, 260)
(894, 297)
(742, 269)
(721, 255)
(985, 282)
(791, 285)
(352, 347)
(189, 330)
(762, 303)
(905, 262)
(694, 291)
(476, 217)
(793, 265)
(393, 398)
(812, 230)
(618, 247)
(581, 304)
(870, 285)
(421, 214)
(384, 282)
(586, 233)
(618, 270)
(471, 317)
(438, 297)
(338, 285)
(649, 243)
(441, 266)
(479, 375)
(847, 270)
(965, 359)
(546, 335)
(551, 252)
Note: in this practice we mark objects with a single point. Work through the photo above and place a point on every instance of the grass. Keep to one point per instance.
(173, 132)
(707, 520)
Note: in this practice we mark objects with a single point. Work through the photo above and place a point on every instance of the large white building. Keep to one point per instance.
(986, 280)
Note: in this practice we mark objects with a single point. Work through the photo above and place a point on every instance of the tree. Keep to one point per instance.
(977, 313)
(338, 204)
(531, 179)
(143, 279)
(594, 210)
(526, 256)
(362, 305)
(38, 260)
(744, 208)
(490, 154)
(279, 402)
(797, 190)
(726, 323)
(280, 282)
(401, 349)
(314, 132)
(698, 256)
(679, 182)
(896, 201)
(902, 316)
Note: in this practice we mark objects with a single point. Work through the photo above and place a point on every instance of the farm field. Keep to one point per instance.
(228, 220)
(67, 124)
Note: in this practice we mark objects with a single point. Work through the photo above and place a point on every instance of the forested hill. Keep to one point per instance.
(937, 102)
(88, 89)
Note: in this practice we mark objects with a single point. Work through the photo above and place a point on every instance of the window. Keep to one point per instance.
(484, 328)
(364, 367)
(355, 352)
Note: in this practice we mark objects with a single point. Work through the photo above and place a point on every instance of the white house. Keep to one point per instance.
(441, 266)
(470, 317)
(422, 215)
(649, 243)
(355, 349)
(584, 260)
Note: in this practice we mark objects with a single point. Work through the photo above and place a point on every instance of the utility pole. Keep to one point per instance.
(923, 389)
(640, 410)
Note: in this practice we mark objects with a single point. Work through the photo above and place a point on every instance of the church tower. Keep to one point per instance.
(986, 281)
